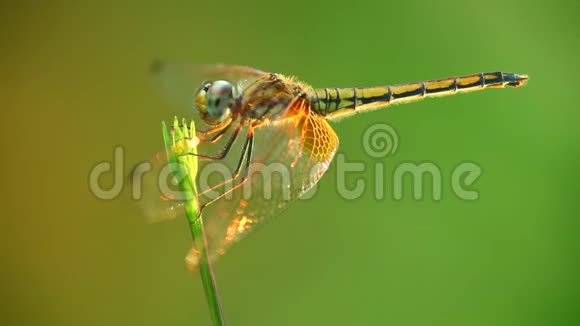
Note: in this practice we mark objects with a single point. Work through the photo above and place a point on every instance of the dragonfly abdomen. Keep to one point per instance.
(337, 102)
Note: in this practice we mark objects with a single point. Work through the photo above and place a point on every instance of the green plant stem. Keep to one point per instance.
(207, 274)
(186, 166)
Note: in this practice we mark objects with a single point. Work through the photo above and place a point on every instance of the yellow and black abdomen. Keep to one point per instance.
(336, 102)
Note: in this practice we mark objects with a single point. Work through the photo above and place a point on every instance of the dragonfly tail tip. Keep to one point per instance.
(518, 80)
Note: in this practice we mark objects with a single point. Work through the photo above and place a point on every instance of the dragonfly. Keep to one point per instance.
(265, 139)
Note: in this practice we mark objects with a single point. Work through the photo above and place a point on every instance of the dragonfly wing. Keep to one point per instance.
(158, 195)
(179, 82)
(153, 190)
(289, 157)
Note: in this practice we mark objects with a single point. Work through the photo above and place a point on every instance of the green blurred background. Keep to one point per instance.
(75, 84)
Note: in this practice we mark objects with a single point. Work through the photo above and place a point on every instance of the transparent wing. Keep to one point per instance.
(160, 198)
(179, 82)
(288, 158)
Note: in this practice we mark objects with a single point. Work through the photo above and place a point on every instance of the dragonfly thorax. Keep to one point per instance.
(214, 101)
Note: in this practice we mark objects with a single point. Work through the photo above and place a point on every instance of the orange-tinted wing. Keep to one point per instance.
(289, 157)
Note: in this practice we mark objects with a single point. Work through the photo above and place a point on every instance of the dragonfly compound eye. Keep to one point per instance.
(218, 99)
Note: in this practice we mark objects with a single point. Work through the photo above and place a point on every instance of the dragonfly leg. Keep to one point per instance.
(218, 135)
(237, 170)
(201, 134)
(222, 154)
(248, 158)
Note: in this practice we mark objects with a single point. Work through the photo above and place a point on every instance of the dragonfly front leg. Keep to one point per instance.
(218, 135)
(222, 154)
(202, 134)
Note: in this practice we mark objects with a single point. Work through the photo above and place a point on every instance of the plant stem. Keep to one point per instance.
(186, 166)
(207, 275)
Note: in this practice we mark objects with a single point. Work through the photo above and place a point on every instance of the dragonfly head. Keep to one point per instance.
(214, 101)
